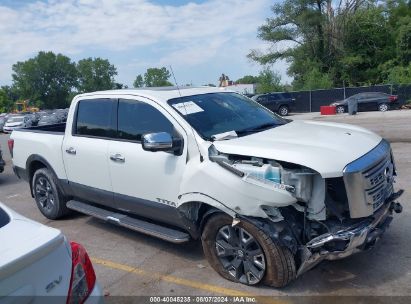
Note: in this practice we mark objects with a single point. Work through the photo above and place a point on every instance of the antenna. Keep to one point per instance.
(184, 104)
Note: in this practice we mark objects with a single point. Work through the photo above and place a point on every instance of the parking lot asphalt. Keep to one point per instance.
(128, 263)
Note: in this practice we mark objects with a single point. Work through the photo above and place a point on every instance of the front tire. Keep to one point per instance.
(245, 254)
(49, 199)
(340, 110)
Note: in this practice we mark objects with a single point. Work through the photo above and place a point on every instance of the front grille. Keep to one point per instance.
(369, 180)
(378, 181)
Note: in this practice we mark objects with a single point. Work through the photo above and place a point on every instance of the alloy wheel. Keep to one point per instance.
(44, 193)
(240, 254)
(383, 107)
(283, 111)
(340, 110)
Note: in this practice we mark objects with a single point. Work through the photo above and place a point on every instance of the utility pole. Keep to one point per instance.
(344, 89)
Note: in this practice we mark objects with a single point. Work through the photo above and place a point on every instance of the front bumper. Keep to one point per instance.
(345, 242)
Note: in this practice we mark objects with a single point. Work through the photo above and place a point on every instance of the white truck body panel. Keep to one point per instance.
(89, 166)
(47, 145)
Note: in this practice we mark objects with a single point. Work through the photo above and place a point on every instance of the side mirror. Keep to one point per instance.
(161, 141)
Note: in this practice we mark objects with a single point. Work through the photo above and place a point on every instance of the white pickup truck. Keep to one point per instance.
(39, 265)
(269, 197)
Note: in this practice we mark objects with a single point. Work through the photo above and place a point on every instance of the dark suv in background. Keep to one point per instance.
(371, 101)
(280, 103)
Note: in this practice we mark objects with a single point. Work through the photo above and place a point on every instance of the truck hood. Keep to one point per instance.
(322, 146)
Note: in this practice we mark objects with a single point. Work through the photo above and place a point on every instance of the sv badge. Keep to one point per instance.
(53, 284)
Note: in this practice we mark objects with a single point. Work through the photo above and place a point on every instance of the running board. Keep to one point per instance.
(164, 233)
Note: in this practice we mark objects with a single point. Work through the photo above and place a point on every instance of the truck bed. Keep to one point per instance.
(54, 128)
(44, 142)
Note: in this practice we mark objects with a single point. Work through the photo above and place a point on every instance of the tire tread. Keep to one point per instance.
(62, 209)
(280, 263)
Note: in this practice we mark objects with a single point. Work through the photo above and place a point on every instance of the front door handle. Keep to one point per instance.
(118, 158)
(71, 150)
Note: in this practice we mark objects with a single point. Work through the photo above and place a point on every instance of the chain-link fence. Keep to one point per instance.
(311, 101)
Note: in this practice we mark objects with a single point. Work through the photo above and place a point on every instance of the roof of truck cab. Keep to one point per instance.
(161, 94)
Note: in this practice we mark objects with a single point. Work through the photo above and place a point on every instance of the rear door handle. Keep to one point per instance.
(118, 158)
(71, 150)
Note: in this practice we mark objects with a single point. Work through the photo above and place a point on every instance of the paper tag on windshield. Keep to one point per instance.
(187, 108)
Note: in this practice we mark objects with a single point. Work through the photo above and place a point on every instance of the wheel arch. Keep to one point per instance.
(35, 162)
(197, 208)
(283, 105)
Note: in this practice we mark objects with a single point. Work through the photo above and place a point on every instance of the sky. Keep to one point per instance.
(200, 39)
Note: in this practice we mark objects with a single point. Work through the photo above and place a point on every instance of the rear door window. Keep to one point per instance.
(262, 98)
(274, 97)
(136, 118)
(286, 95)
(96, 118)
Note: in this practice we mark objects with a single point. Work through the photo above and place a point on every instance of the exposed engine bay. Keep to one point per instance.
(318, 225)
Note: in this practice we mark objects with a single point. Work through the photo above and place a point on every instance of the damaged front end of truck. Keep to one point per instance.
(330, 218)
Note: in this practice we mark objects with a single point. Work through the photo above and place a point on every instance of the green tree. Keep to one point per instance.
(6, 103)
(368, 42)
(268, 81)
(11, 93)
(311, 29)
(351, 41)
(314, 80)
(400, 75)
(47, 78)
(95, 74)
(403, 40)
(119, 86)
(247, 79)
(138, 82)
(157, 77)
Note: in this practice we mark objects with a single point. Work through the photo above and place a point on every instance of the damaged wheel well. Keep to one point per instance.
(196, 215)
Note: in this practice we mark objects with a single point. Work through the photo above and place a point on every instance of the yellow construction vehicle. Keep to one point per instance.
(23, 106)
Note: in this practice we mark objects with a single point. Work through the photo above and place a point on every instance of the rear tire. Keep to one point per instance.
(255, 259)
(49, 199)
(383, 107)
(283, 111)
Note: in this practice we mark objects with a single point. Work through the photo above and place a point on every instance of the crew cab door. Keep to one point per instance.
(145, 183)
(85, 148)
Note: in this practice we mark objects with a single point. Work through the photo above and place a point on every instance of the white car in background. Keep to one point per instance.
(14, 122)
(38, 261)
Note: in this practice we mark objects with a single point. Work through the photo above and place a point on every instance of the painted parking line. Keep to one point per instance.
(183, 282)
(13, 195)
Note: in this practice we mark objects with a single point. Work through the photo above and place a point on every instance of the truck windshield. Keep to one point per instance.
(216, 113)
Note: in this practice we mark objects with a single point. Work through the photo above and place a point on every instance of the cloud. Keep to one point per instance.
(190, 34)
